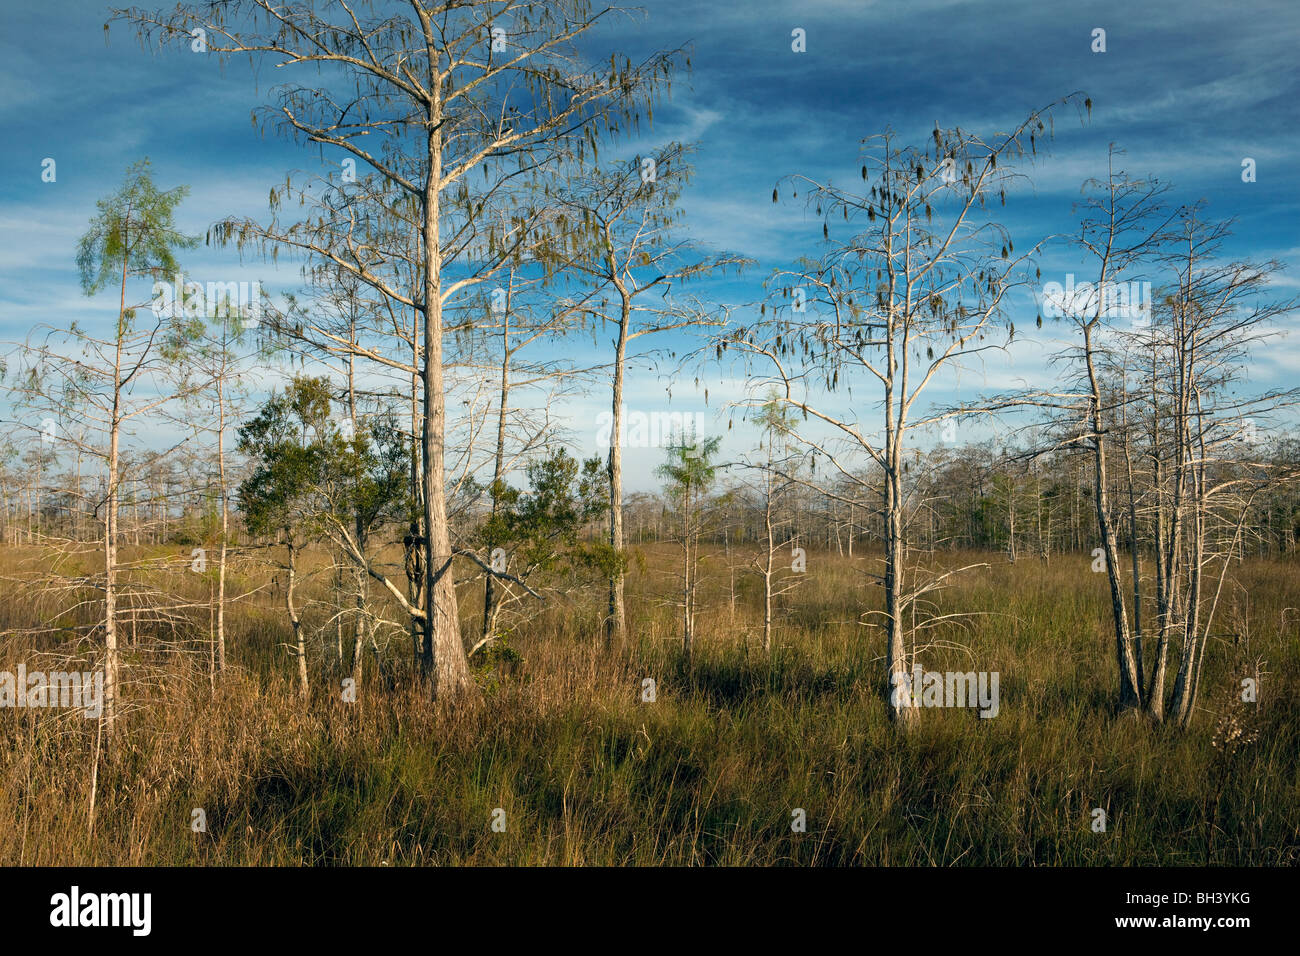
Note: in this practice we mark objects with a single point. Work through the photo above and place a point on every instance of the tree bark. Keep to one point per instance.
(444, 652)
(298, 641)
(1129, 690)
(616, 621)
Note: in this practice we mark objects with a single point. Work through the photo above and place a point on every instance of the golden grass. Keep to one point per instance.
(709, 773)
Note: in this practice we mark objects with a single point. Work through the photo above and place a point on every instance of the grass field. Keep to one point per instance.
(711, 772)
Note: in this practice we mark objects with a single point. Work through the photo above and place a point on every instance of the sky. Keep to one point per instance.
(1187, 89)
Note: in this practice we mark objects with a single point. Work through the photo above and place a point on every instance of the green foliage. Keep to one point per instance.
(134, 232)
(775, 418)
(690, 469)
(306, 471)
(542, 527)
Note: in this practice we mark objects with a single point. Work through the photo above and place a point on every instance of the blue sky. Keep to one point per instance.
(1188, 89)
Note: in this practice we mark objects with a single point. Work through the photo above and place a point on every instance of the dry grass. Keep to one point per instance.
(708, 774)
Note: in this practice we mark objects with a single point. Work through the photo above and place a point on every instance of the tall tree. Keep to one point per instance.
(113, 379)
(1217, 309)
(775, 482)
(1120, 229)
(629, 252)
(690, 471)
(217, 369)
(452, 90)
(914, 276)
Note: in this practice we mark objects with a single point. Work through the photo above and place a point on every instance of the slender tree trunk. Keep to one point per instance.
(1171, 608)
(444, 651)
(616, 620)
(852, 519)
(1011, 520)
(688, 583)
(1156, 692)
(1189, 667)
(896, 657)
(768, 568)
(361, 589)
(294, 622)
(362, 627)
(415, 584)
(897, 664)
(339, 660)
(1129, 690)
(489, 585)
(110, 577)
(1136, 556)
(110, 522)
(225, 529)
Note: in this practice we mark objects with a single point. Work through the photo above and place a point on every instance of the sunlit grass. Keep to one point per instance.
(709, 773)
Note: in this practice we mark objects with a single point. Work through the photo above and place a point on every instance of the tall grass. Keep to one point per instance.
(709, 773)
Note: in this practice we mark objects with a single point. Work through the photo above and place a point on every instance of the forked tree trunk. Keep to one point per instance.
(1189, 667)
(1129, 689)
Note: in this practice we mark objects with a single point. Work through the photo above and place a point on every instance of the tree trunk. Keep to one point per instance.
(414, 580)
(110, 579)
(361, 623)
(110, 523)
(443, 652)
(225, 530)
(1135, 554)
(362, 628)
(896, 662)
(298, 641)
(688, 584)
(489, 586)
(767, 570)
(1129, 690)
(616, 621)
(1189, 667)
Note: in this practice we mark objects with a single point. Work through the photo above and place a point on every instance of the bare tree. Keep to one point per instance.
(775, 470)
(1121, 228)
(919, 288)
(1218, 309)
(111, 381)
(217, 368)
(626, 248)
